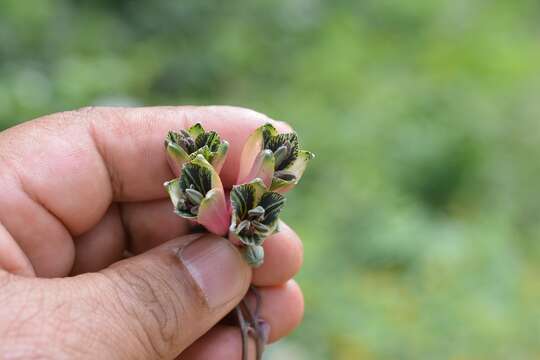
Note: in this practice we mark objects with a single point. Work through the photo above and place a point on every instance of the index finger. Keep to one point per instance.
(75, 164)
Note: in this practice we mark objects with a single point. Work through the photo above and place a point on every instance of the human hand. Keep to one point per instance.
(79, 188)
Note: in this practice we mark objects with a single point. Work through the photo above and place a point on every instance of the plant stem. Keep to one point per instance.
(251, 325)
(243, 331)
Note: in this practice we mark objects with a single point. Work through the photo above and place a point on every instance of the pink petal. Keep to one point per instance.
(176, 156)
(213, 213)
(251, 150)
(263, 168)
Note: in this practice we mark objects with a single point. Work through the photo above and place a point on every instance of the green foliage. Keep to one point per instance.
(422, 226)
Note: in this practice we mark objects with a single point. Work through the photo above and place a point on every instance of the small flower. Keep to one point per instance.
(185, 145)
(275, 158)
(198, 195)
(255, 216)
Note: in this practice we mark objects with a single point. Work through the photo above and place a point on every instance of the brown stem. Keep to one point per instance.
(243, 331)
(260, 337)
(255, 324)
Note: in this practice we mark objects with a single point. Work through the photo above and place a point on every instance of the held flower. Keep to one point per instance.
(275, 158)
(185, 145)
(271, 164)
(255, 216)
(198, 195)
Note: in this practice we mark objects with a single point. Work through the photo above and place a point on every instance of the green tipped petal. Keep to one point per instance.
(201, 161)
(281, 186)
(220, 156)
(289, 162)
(198, 183)
(256, 142)
(184, 146)
(174, 191)
(255, 212)
(286, 179)
(176, 155)
(196, 176)
(204, 151)
(272, 203)
(210, 139)
(196, 130)
(269, 131)
(246, 196)
(299, 165)
(285, 148)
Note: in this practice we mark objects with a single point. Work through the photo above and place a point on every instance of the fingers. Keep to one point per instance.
(99, 154)
(152, 223)
(138, 133)
(12, 258)
(282, 308)
(61, 172)
(101, 246)
(39, 234)
(283, 254)
(159, 302)
(222, 342)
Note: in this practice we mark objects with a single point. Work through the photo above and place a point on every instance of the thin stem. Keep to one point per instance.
(254, 329)
(243, 332)
(260, 339)
(258, 301)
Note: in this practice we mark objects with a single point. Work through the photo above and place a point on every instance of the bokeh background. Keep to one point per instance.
(420, 214)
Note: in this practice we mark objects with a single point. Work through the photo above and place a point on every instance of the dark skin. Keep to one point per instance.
(77, 190)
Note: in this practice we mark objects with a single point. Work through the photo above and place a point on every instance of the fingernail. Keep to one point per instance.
(217, 268)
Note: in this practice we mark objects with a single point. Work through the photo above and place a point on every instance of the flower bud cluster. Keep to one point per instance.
(270, 165)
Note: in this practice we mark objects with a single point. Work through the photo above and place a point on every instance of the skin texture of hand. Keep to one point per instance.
(79, 188)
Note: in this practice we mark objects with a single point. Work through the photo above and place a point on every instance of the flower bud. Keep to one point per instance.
(273, 157)
(255, 214)
(254, 255)
(184, 146)
(198, 195)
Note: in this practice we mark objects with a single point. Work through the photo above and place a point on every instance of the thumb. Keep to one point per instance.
(156, 304)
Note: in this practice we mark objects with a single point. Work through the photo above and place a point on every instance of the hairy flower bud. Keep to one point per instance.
(254, 255)
(198, 195)
(255, 215)
(275, 158)
(184, 146)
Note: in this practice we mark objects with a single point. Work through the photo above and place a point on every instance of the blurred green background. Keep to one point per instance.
(420, 215)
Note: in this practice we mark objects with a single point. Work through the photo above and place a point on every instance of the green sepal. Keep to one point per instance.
(295, 169)
(254, 255)
(174, 191)
(185, 146)
(196, 130)
(250, 196)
